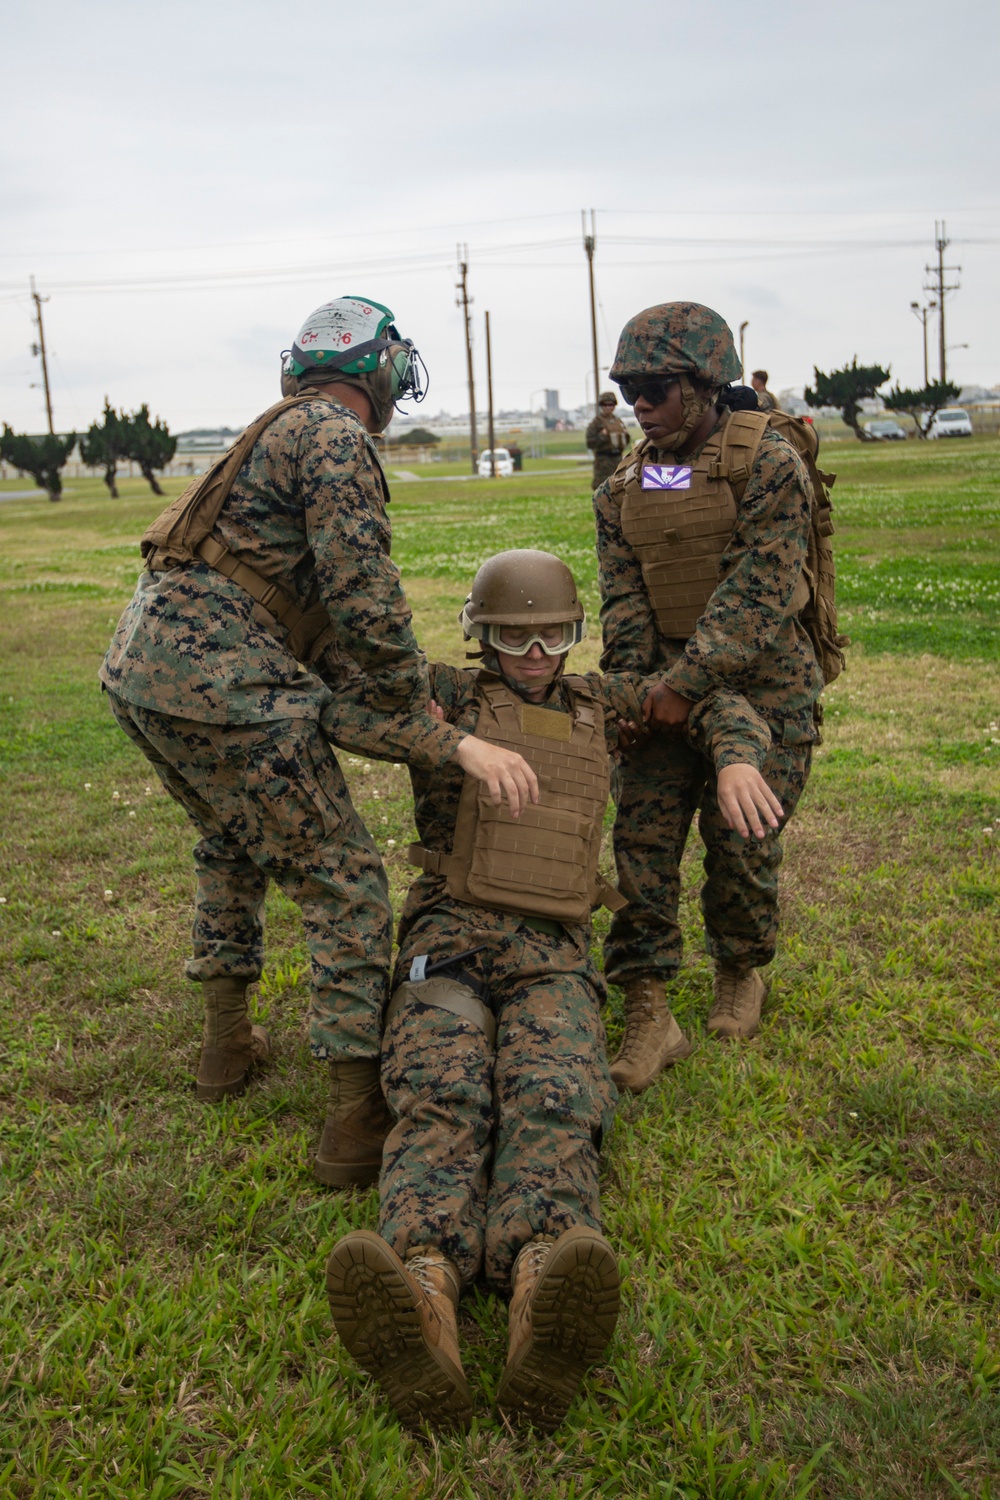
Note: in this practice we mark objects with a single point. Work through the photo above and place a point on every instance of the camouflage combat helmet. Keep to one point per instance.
(677, 338)
(525, 588)
(607, 398)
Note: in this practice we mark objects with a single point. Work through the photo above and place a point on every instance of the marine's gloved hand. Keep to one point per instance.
(665, 709)
(505, 773)
(745, 798)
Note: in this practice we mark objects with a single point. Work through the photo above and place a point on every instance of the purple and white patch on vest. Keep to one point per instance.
(666, 476)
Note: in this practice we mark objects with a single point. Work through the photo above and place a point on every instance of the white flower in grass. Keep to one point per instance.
(131, 814)
(3, 900)
(108, 895)
(86, 786)
(149, 791)
(116, 796)
(390, 843)
(57, 932)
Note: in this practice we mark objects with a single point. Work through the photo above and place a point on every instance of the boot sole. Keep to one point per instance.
(574, 1309)
(211, 1093)
(375, 1314)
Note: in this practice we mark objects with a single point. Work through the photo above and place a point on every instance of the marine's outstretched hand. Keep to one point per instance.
(505, 773)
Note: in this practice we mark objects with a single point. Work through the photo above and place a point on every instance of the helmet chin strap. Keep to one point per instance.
(695, 403)
(489, 660)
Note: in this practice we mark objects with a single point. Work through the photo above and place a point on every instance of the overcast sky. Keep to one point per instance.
(187, 181)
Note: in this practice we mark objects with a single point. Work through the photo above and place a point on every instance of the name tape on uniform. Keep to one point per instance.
(666, 476)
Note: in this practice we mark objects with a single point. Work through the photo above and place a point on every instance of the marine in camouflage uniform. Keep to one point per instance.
(672, 361)
(200, 678)
(607, 439)
(500, 1091)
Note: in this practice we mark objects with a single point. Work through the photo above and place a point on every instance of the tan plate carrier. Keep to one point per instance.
(183, 534)
(679, 536)
(545, 863)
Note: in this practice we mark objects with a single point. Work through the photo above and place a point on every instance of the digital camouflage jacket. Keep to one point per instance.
(309, 510)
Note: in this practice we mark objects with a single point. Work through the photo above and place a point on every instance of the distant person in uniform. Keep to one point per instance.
(765, 400)
(606, 438)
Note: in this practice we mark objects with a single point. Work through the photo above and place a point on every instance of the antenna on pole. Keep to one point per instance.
(464, 301)
(41, 350)
(941, 243)
(589, 246)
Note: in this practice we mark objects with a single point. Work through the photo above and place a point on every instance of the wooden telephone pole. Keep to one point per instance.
(463, 302)
(39, 348)
(589, 245)
(941, 243)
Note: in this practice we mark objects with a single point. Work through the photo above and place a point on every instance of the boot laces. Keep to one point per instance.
(727, 992)
(533, 1257)
(422, 1268)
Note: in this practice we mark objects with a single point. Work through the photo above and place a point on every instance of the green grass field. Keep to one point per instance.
(808, 1224)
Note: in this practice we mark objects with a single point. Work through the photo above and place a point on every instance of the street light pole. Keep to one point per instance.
(589, 245)
(923, 313)
(743, 369)
(489, 391)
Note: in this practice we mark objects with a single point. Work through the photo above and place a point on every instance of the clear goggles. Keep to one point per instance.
(517, 640)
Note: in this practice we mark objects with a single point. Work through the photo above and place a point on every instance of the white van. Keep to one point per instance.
(503, 462)
(950, 421)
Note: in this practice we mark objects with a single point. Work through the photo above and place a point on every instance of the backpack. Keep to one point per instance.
(740, 441)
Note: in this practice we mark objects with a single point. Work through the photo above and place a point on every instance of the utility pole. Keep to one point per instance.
(589, 245)
(463, 302)
(941, 243)
(489, 393)
(743, 369)
(923, 313)
(39, 348)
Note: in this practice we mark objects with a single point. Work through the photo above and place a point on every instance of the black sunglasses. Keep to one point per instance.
(652, 391)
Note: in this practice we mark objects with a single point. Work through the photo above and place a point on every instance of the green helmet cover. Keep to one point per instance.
(677, 338)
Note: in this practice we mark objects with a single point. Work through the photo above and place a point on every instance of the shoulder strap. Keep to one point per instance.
(740, 438)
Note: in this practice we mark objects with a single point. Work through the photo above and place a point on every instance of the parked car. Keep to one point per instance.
(886, 431)
(950, 421)
(503, 461)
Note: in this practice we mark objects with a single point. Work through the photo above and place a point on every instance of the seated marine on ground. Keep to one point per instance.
(268, 604)
(494, 1063)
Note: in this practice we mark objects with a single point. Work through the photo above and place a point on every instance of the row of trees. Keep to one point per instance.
(848, 387)
(121, 437)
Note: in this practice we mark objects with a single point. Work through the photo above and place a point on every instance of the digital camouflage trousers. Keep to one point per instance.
(657, 791)
(270, 802)
(492, 1147)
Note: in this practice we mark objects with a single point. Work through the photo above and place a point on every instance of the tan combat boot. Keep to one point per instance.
(652, 1041)
(398, 1321)
(230, 1046)
(356, 1125)
(739, 995)
(562, 1315)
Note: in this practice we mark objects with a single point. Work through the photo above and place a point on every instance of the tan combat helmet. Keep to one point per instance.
(526, 589)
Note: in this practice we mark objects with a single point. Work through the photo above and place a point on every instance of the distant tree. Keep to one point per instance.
(41, 457)
(847, 388)
(105, 445)
(417, 437)
(925, 403)
(148, 444)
